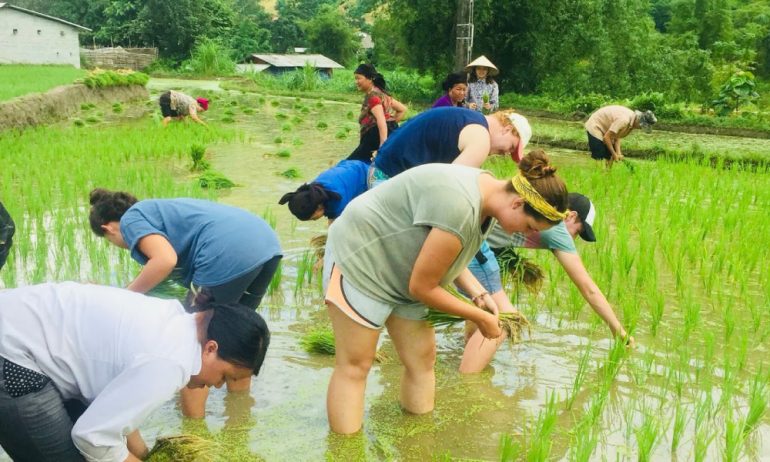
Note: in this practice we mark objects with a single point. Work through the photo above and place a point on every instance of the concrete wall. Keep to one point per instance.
(30, 39)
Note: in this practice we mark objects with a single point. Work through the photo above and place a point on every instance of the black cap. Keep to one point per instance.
(586, 212)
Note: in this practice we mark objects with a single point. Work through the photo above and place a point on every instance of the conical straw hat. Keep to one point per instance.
(482, 61)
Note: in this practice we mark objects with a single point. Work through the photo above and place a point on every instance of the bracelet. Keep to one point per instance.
(473, 299)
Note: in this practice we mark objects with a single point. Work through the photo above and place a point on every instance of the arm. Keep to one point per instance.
(194, 116)
(611, 140)
(161, 260)
(480, 297)
(136, 446)
(474, 145)
(436, 256)
(398, 108)
(573, 265)
(379, 115)
(104, 431)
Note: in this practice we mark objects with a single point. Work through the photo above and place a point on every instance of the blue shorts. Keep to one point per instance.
(485, 268)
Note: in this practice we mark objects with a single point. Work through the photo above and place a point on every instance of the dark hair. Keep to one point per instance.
(369, 71)
(107, 206)
(475, 78)
(240, 332)
(453, 79)
(305, 200)
(537, 169)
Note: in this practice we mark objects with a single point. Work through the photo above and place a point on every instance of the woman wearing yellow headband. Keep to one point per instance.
(390, 254)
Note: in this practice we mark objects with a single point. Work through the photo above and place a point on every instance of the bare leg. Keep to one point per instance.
(479, 351)
(415, 343)
(356, 347)
(194, 402)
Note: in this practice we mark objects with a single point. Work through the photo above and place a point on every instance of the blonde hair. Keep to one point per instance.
(505, 121)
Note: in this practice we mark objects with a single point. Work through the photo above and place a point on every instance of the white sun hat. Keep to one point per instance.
(482, 61)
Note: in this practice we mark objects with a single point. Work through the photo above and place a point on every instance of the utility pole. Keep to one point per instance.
(464, 45)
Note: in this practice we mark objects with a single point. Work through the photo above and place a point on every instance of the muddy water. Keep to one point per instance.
(284, 416)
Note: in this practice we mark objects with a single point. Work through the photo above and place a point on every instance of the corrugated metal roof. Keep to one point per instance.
(35, 13)
(319, 61)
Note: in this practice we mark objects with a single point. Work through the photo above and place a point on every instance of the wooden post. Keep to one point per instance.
(464, 45)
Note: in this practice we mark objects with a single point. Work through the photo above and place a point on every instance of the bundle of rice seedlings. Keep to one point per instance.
(318, 341)
(321, 341)
(319, 244)
(520, 270)
(513, 324)
(184, 448)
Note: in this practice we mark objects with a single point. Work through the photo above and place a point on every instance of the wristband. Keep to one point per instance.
(473, 299)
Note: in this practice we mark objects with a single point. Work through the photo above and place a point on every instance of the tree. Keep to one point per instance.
(330, 34)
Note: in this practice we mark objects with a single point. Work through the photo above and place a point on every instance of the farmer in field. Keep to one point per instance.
(389, 256)
(330, 192)
(609, 124)
(455, 88)
(559, 240)
(483, 93)
(380, 112)
(84, 365)
(7, 229)
(177, 105)
(451, 135)
(219, 252)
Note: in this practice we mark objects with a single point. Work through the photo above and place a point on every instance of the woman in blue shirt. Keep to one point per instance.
(220, 253)
(330, 192)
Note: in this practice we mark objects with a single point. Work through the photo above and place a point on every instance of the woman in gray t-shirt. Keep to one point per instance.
(397, 246)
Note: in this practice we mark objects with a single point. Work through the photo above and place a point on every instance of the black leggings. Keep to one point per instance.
(248, 290)
(370, 142)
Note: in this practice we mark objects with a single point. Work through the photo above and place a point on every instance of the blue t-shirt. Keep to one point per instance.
(430, 137)
(348, 179)
(214, 243)
(554, 238)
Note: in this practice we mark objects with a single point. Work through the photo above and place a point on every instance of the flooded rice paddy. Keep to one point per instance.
(681, 257)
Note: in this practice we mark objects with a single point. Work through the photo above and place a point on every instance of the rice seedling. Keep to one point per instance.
(274, 103)
(78, 122)
(541, 442)
(304, 271)
(341, 134)
(734, 439)
(758, 398)
(227, 119)
(512, 323)
(291, 173)
(117, 108)
(677, 430)
(93, 119)
(350, 115)
(283, 153)
(278, 140)
(228, 112)
(297, 142)
(287, 127)
(296, 120)
(584, 445)
(580, 376)
(647, 434)
(319, 104)
(248, 111)
(275, 282)
(510, 449)
(321, 125)
(520, 270)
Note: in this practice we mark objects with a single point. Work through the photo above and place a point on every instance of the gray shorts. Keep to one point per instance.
(358, 306)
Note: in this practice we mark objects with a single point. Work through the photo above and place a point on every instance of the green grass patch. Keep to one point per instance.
(22, 79)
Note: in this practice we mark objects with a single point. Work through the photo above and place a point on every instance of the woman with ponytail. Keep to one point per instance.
(392, 252)
(220, 253)
(330, 192)
(380, 112)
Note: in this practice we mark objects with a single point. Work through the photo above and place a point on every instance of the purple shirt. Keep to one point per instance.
(446, 101)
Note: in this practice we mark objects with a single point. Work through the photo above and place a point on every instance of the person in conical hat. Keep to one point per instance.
(483, 94)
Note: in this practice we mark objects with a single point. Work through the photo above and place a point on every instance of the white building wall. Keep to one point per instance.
(30, 39)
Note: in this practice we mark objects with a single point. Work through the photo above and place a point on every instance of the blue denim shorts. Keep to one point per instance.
(485, 268)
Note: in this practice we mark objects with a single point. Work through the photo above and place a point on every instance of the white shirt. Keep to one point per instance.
(121, 352)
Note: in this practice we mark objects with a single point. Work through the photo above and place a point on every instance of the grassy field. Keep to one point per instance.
(21, 79)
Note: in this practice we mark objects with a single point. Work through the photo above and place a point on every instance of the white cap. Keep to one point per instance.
(525, 134)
